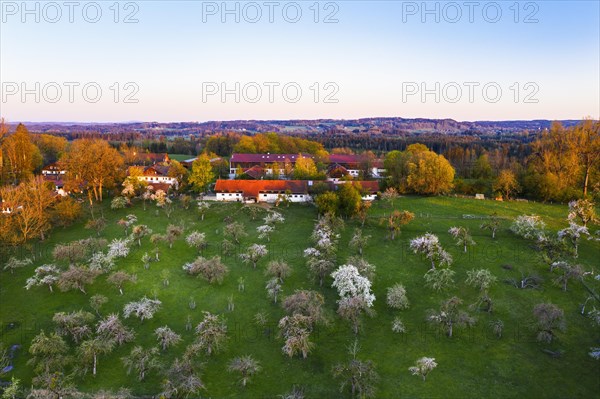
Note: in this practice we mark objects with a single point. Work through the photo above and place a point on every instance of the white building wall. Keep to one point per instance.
(158, 179)
(272, 197)
(229, 197)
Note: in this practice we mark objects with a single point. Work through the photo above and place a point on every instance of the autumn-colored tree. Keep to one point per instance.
(66, 211)
(20, 156)
(587, 138)
(93, 165)
(202, 174)
(419, 170)
(31, 201)
(51, 147)
(429, 173)
(506, 183)
(553, 166)
(3, 135)
(305, 168)
(177, 171)
(396, 220)
(327, 202)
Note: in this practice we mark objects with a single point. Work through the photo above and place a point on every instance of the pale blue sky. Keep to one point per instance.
(374, 53)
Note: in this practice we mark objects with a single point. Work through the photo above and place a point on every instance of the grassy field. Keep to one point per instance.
(472, 364)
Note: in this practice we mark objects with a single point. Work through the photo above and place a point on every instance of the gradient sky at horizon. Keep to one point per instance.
(373, 54)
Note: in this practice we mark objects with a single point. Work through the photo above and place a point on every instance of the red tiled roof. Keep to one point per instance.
(353, 159)
(54, 166)
(251, 188)
(258, 158)
(255, 172)
(56, 179)
(345, 158)
(160, 186)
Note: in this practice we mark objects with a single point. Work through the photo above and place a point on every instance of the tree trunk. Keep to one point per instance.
(121, 290)
(95, 363)
(50, 286)
(585, 181)
(493, 233)
(450, 330)
(465, 248)
(202, 217)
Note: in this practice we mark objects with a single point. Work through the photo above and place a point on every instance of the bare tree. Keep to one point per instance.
(359, 241)
(211, 333)
(246, 366)
(89, 351)
(357, 375)
(142, 360)
(167, 337)
(119, 278)
(112, 328)
(212, 270)
(279, 269)
(549, 319)
(450, 316)
(77, 277)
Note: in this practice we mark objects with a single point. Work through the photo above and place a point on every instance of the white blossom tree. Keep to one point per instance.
(273, 289)
(102, 262)
(44, 275)
(273, 218)
(203, 207)
(423, 367)
(265, 231)
(462, 237)
(143, 309)
(119, 248)
(196, 240)
(355, 293)
(254, 253)
(13, 264)
(429, 246)
(573, 234)
(396, 297)
(583, 209)
(528, 226)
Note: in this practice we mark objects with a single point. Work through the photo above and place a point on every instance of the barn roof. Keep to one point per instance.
(251, 188)
(257, 158)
